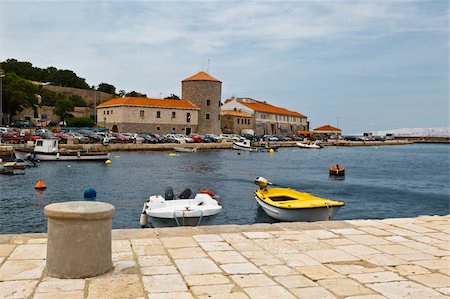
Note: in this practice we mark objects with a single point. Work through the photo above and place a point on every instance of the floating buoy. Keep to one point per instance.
(90, 193)
(172, 154)
(108, 162)
(271, 151)
(69, 165)
(40, 185)
(117, 157)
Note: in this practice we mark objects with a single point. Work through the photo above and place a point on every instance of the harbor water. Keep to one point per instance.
(380, 182)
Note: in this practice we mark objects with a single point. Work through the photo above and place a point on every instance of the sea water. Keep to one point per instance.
(380, 182)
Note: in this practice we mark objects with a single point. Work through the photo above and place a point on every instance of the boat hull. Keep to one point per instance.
(244, 147)
(59, 156)
(302, 214)
(180, 221)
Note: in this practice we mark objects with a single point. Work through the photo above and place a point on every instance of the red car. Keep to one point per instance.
(196, 138)
(11, 138)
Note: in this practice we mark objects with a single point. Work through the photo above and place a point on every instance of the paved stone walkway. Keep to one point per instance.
(392, 258)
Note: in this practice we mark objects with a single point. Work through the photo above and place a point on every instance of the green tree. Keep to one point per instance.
(63, 107)
(135, 94)
(78, 100)
(172, 97)
(18, 94)
(108, 88)
(80, 122)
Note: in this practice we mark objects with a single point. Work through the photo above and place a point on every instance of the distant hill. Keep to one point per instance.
(416, 132)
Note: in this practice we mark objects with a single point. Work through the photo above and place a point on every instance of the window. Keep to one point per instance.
(158, 114)
(208, 102)
(188, 117)
(218, 117)
(104, 111)
(173, 114)
(111, 111)
(158, 128)
(141, 113)
(237, 120)
(107, 112)
(207, 115)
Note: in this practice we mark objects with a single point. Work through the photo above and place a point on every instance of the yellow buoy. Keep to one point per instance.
(271, 151)
(117, 157)
(40, 185)
(172, 154)
(108, 162)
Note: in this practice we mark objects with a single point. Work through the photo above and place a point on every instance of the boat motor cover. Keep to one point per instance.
(168, 194)
(185, 194)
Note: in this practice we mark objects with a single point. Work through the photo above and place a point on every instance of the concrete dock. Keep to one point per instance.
(354, 259)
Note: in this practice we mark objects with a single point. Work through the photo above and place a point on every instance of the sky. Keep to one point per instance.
(359, 65)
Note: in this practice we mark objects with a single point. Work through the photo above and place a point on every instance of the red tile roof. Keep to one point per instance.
(148, 102)
(327, 128)
(201, 76)
(267, 108)
(236, 113)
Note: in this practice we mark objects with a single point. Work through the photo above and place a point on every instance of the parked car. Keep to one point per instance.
(80, 137)
(158, 137)
(121, 138)
(269, 138)
(93, 137)
(22, 123)
(148, 138)
(12, 137)
(212, 137)
(196, 138)
(172, 138)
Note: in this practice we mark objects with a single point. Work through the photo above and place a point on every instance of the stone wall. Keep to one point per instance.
(234, 124)
(48, 111)
(90, 96)
(150, 128)
(199, 92)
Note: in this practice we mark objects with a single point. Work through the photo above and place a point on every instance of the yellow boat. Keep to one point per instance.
(290, 205)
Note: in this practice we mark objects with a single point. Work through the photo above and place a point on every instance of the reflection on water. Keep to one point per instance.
(394, 181)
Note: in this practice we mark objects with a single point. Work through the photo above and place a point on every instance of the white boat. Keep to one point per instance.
(244, 145)
(184, 149)
(286, 204)
(312, 145)
(48, 150)
(181, 211)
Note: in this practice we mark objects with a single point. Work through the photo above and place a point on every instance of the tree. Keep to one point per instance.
(63, 107)
(80, 122)
(18, 93)
(135, 94)
(172, 97)
(78, 100)
(108, 88)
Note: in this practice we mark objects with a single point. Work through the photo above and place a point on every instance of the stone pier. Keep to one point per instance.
(353, 259)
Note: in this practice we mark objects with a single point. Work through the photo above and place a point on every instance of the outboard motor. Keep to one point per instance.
(262, 182)
(168, 194)
(185, 194)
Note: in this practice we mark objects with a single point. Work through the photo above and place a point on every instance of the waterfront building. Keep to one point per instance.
(327, 131)
(265, 118)
(145, 115)
(235, 121)
(205, 92)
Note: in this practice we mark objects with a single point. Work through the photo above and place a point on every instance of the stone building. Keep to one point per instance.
(266, 119)
(144, 115)
(234, 121)
(326, 131)
(205, 92)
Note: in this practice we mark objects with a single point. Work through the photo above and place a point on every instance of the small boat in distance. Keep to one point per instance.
(180, 211)
(286, 204)
(310, 145)
(48, 150)
(244, 145)
(184, 149)
(337, 170)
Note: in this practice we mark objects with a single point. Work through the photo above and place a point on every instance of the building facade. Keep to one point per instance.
(144, 115)
(205, 92)
(327, 131)
(234, 121)
(267, 119)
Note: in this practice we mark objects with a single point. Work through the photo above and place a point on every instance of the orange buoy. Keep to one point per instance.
(40, 185)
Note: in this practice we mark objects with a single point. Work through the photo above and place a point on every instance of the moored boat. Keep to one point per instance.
(180, 211)
(286, 204)
(48, 150)
(244, 145)
(184, 149)
(309, 145)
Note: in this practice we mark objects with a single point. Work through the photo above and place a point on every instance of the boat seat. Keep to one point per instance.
(185, 194)
(168, 194)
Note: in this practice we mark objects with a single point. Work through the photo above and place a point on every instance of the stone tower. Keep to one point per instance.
(205, 92)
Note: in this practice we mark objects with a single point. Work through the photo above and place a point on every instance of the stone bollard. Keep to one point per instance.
(79, 239)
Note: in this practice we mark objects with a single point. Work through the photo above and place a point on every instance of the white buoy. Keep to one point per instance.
(144, 219)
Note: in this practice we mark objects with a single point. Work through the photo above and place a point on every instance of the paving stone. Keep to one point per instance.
(17, 289)
(395, 249)
(164, 283)
(434, 264)
(124, 267)
(226, 257)
(362, 267)
(371, 296)
(383, 259)
(208, 238)
(212, 289)
(186, 253)
(233, 295)
(234, 238)
(215, 246)
(330, 255)
(368, 240)
(347, 231)
(322, 245)
(312, 292)
(154, 260)
(339, 242)
(158, 270)
(28, 251)
(119, 286)
(269, 292)
(298, 238)
(178, 242)
(445, 291)
(174, 295)
(376, 231)
(246, 246)
(65, 295)
(406, 270)
(376, 277)
(122, 256)
(275, 270)
(252, 280)
(344, 287)
(265, 261)
(318, 272)
(149, 249)
(298, 259)
(420, 256)
(402, 232)
(50, 284)
(275, 247)
(358, 250)
(240, 268)
(142, 242)
(37, 241)
(295, 281)
(256, 254)
(120, 245)
(196, 266)
(6, 249)
(404, 289)
(22, 269)
(434, 280)
(206, 279)
(257, 235)
(320, 234)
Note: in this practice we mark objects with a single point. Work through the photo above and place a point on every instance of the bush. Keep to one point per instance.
(80, 122)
